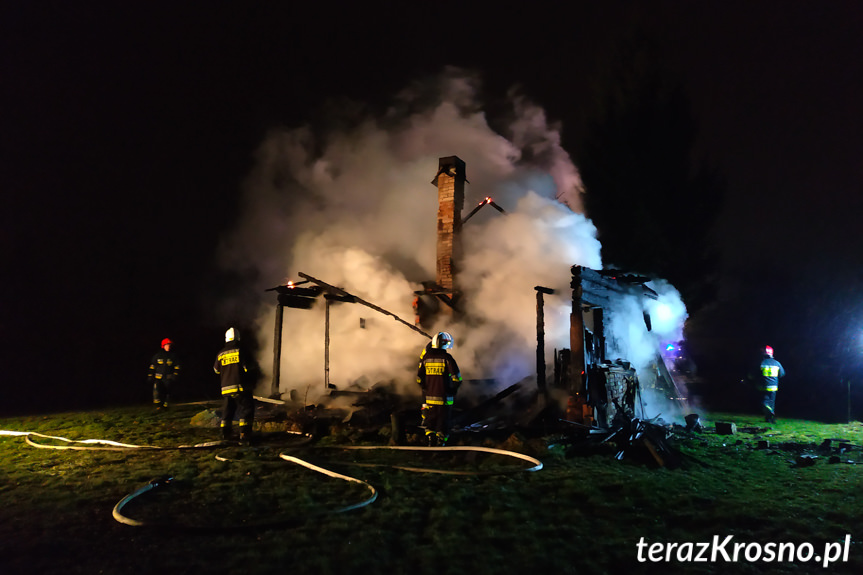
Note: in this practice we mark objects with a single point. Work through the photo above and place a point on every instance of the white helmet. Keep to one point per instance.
(442, 340)
(231, 335)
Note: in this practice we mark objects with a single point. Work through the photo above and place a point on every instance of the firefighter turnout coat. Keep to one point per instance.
(164, 367)
(234, 366)
(438, 376)
(770, 371)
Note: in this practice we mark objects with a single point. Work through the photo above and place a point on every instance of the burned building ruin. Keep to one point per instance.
(586, 386)
(601, 387)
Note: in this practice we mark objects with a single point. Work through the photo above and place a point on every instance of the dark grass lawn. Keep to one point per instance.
(584, 512)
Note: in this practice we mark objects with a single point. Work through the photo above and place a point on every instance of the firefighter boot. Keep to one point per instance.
(226, 431)
(431, 439)
(245, 434)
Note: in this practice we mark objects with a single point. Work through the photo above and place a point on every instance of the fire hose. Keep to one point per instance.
(162, 481)
(154, 483)
(537, 464)
(108, 445)
(373, 492)
(88, 444)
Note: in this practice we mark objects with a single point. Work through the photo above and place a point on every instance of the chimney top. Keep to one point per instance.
(452, 165)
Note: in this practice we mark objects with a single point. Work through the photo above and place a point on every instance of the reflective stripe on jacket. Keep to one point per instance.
(770, 371)
(434, 400)
(164, 365)
(439, 377)
(232, 364)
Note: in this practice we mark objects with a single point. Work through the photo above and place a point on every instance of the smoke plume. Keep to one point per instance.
(355, 208)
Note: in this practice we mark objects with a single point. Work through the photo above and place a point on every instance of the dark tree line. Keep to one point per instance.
(652, 201)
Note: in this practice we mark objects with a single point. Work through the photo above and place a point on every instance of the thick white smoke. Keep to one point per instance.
(505, 258)
(356, 208)
(631, 339)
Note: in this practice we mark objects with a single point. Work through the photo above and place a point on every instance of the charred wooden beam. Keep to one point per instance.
(486, 202)
(481, 407)
(340, 293)
(600, 285)
(296, 297)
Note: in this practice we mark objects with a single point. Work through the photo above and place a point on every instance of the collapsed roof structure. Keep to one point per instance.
(587, 385)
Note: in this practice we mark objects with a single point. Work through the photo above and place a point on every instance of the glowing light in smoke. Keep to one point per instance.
(667, 312)
(663, 312)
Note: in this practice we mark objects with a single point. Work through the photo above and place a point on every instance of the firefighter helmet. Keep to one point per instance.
(768, 351)
(442, 340)
(232, 335)
(166, 341)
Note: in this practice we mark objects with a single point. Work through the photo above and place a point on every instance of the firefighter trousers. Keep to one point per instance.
(160, 392)
(438, 420)
(768, 405)
(241, 405)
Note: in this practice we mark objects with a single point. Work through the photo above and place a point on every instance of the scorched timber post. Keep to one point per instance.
(540, 337)
(328, 301)
(277, 350)
(576, 336)
(327, 343)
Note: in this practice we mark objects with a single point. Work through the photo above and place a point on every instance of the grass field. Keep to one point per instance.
(249, 511)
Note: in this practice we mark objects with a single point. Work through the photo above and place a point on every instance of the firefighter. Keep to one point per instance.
(439, 377)
(770, 371)
(235, 367)
(164, 372)
(424, 407)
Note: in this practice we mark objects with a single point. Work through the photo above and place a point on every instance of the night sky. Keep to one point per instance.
(127, 130)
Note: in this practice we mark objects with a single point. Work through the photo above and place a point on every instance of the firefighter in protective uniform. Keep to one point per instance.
(439, 377)
(163, 373)
(235, 367)
(769, 373)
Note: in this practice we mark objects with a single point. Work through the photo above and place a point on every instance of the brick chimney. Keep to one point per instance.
(450, 180)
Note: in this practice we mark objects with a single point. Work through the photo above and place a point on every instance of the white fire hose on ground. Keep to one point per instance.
(537, 464)
(107, 445)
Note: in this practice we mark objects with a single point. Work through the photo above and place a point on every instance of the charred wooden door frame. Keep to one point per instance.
(294, 297)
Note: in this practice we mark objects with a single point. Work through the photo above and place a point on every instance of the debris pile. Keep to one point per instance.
(629, 438)
(807, 454)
